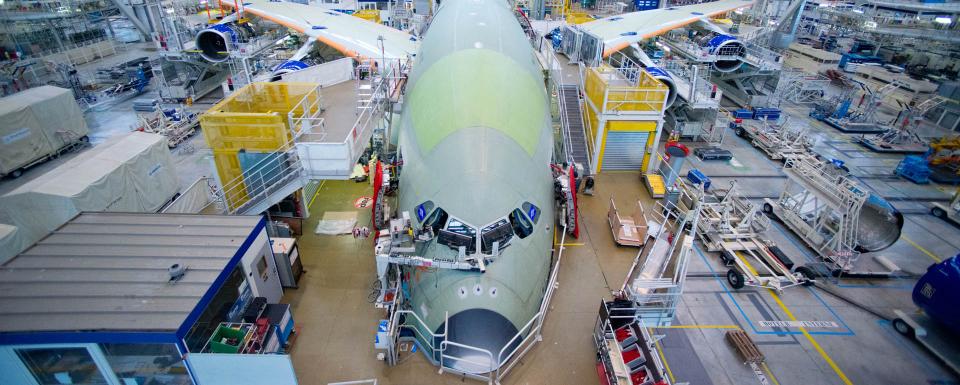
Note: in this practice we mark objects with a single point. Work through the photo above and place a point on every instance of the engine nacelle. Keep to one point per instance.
(287, 67)
(667, 80)
(936, 290)
(216, 42)
(727, 47)
(880, 225)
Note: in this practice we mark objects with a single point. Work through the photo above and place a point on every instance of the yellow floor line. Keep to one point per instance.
(769, 373)
(315, 195)
(744, 260)
(698, 327)
(664, 360)
(572, 244)
(826, 357)
(925, 251)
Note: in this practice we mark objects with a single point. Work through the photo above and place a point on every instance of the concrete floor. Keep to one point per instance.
(338, 323)
(854, 346)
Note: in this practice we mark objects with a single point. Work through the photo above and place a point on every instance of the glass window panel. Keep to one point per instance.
(147, 364)
(56, 366)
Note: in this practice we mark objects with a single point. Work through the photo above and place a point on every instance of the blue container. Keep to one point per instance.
(697, 177)
(770, 114)
(743, 114)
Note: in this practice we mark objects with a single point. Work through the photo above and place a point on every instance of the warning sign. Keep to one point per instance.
(363, 202)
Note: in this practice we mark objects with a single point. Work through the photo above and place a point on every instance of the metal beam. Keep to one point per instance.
(127, 11)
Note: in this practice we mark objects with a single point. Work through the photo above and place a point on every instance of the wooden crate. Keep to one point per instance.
(747, 348)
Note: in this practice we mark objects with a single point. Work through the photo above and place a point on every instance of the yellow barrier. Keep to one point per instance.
(578, 17)
(611, 92)
(369, 15)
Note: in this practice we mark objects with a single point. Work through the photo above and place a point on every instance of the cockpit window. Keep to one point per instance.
(498, 231)
(520, 223)
(458, 227)
(436, 220)
(458, 234)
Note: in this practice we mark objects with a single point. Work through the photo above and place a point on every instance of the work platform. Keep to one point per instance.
(875, 146)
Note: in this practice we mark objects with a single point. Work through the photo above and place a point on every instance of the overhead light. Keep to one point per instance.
(943, 20)
(858, 11)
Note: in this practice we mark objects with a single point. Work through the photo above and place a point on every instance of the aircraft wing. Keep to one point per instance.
(617, 32)
(350, 35)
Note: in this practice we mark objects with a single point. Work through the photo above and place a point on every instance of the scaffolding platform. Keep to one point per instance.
(890, 148)
(855, 128)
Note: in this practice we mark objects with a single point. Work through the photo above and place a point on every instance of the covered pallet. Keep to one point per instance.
(38, 123)
(130, 173)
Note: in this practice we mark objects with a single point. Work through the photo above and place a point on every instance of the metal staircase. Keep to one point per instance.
(572, 119)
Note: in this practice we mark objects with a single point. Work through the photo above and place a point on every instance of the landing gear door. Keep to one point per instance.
(591, 49)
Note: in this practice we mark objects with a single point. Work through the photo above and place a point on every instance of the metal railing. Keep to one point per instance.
(762, 58)
(696, 75)
(535, 324)
(505, 361)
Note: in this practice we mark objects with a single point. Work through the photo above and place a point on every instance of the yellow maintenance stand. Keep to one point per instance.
(623, 113)
(258, 118)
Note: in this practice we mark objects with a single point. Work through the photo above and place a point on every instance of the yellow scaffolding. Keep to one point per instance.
(260, 117)
(624, 100)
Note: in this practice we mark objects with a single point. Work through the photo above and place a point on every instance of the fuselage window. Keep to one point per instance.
(521, 224)
(532, 211)
(423, 209)
(500, 231)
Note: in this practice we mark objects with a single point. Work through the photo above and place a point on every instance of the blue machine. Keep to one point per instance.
(936, 293)
(757, 113)
(556, 37)
(914, 168)
(697, 177)
(858, 59)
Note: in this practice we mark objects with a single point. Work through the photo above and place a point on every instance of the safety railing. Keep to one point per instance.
(762, 58)
(528, 336)
(535, 325)
(701, 89)
(426, 339)
(265, 177)
(474, 365)
(305, 115)
(335, 157)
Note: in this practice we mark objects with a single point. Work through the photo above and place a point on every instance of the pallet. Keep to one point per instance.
(748, 349)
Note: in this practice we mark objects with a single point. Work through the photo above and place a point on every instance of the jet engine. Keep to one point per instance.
(287, 67)
(712, 39)
(216, 42)
(667, 80)
(637, 54)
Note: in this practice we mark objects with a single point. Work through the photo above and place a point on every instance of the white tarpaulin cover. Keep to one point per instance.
(327, 74)
(35, 123)
(129, 173)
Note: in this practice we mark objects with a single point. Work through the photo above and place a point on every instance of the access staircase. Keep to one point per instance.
(572, 119)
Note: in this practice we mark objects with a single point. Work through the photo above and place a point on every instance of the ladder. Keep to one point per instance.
(574, 130)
